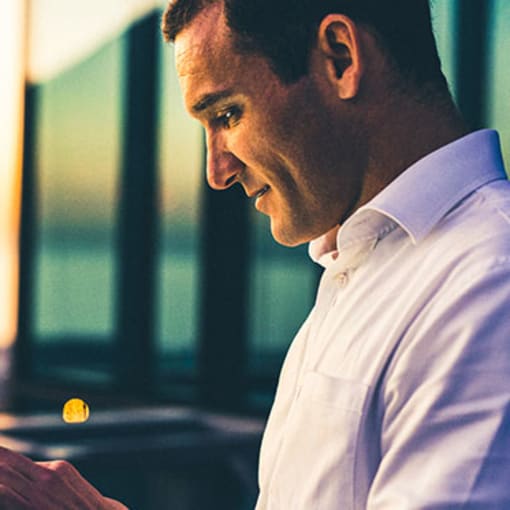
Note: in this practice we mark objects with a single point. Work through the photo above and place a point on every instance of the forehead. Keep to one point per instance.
(209, 66)
(204, 42)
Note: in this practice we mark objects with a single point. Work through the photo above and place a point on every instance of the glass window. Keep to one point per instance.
(79, 116)
(181, 178)
(282, 286)
(77, 167)
(444, 29)
(499, 73)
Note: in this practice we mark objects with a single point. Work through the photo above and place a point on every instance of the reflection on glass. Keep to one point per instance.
(77, 164)
(499, 74)
(180, 167)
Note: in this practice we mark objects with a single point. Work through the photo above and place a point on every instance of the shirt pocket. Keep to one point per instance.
(315, 467)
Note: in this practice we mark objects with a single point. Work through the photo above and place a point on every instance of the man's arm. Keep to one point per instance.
(445, 403)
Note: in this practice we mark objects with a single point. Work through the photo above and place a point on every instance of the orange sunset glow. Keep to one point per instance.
(12, 69)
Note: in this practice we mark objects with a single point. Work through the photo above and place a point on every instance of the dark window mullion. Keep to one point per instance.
(23, 351)
(222, 363)
(134, 358)
(471, 60)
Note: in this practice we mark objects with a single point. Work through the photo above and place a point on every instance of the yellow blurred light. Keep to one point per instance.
(75, 410)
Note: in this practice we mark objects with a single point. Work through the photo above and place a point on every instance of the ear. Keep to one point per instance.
(339, 42)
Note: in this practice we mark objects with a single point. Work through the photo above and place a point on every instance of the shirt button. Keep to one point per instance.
(342, 279)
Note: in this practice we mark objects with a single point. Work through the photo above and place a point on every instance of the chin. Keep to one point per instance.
(287, 236)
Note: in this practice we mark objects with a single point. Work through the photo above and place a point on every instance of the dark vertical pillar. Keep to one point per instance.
(138, 215)
(472, 59)
(23, 348)
(225, 272)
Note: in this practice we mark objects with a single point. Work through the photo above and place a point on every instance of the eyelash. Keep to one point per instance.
(229, 118)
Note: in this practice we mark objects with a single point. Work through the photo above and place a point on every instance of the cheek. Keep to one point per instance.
(258, 150)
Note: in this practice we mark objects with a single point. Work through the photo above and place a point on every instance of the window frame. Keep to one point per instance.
(223, 379)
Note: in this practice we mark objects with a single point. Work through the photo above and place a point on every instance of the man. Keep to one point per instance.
(335, 117)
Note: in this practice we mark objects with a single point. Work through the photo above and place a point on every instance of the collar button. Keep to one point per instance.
(342, 278)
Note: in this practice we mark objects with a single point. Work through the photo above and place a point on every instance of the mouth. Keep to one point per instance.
(261, 192)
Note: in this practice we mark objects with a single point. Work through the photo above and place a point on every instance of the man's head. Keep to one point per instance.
(295, 100)
(284, 31)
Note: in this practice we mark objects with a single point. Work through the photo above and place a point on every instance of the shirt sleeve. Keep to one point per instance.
(444, 405)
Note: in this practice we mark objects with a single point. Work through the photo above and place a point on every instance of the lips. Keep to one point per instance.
(261, 192)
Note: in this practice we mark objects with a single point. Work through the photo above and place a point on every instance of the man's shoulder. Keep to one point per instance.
(474, 237)
(481, 219)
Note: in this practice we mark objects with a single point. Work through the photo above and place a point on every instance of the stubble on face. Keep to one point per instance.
(287, 138)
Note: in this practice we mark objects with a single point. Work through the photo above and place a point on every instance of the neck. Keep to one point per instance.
(407, 130)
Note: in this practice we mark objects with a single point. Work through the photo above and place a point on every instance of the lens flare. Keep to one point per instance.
(75, 410)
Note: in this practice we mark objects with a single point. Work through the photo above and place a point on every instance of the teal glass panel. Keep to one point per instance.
(180, 181)
(77, 166)
(443, 21)
(282, 286)
(499, 73)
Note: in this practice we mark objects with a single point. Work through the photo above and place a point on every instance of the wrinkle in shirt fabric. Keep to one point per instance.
(395, 392)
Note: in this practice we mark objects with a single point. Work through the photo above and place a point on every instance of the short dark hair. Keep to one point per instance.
(179, 13)
(284, 30)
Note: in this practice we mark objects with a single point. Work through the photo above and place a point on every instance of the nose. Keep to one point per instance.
(223, 167)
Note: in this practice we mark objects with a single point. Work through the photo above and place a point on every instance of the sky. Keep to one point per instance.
(80, 115)
(63, 32)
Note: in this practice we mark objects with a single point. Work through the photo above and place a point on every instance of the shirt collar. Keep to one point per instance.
(422, 195)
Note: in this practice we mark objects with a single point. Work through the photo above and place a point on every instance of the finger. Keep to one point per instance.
(39, 492)
(84, 491)
(66, 477)
(19, 463)
(68, 474)
(115, 505)
(51, 485)
(11, 499)
(18, 476)
(10, 477)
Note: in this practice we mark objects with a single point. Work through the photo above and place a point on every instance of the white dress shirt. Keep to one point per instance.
(395, 393)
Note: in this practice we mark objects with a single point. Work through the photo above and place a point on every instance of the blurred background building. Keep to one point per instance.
(123, 278)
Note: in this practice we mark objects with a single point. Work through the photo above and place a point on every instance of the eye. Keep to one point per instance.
(228, 118)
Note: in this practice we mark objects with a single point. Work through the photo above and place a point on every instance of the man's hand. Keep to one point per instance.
(54, 485)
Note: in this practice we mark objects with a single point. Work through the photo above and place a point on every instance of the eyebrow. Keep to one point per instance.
(208, 100)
